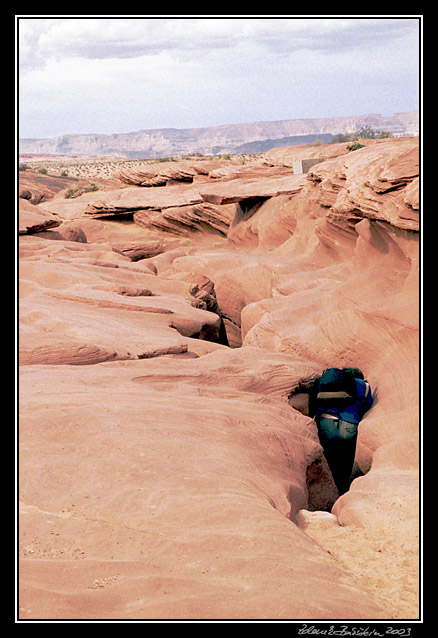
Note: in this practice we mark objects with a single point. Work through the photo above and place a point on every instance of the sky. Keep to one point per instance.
(120, 74)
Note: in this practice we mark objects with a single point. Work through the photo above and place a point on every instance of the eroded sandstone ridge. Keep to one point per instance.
(163, 472)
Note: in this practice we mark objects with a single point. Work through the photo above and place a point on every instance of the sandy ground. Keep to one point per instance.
(377, 560)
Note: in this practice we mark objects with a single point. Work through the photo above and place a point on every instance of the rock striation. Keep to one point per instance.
(164, 472)
(157, 174)
(34, 219)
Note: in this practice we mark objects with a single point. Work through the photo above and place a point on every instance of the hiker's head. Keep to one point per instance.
(358, 374)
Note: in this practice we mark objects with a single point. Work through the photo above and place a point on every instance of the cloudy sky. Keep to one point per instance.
(122, 74)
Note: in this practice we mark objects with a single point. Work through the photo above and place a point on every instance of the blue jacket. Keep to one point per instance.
(352, 413)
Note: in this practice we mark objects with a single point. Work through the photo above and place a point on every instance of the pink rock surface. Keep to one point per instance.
(236, 190)
(184, 220)
(131, 199)
(189, 170)
(178, 497)
(163, 474)
(286, 156)
(157, 174)
(34, 219)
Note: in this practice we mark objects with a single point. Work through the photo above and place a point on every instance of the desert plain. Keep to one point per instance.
(166, 314)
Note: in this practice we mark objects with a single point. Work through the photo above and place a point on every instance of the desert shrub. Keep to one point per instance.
(71, 193)
(355, 146)
(364, 133)
(42, 170)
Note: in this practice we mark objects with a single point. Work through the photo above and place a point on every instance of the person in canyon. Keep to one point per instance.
(337, 401)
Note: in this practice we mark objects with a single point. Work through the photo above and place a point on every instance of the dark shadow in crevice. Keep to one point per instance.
(321, 489)
(204, 297)
(246, 208)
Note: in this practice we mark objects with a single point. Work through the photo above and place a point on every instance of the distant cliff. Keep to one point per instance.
(229, 138)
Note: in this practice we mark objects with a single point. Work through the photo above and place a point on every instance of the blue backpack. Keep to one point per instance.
(336, 388)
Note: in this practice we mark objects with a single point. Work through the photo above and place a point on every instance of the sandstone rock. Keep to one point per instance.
(412, 194)
(268, 224)
(34, 219)
(157, 174)
(174, 507)
(236, 190)
(73, 209)
(184, 220)
(237, 171)
(129, 200)
(59, 268)
(159, 352)
(136, 251)
(372, 182)
(207, 167)
(322, 519)
(287, 155)
(37, 186)
(68, 231)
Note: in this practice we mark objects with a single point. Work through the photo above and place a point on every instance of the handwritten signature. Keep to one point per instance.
(343, 630)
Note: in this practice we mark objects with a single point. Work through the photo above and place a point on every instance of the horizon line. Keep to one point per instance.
(194, 128)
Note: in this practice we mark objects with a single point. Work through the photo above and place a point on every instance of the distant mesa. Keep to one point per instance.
(255, 137)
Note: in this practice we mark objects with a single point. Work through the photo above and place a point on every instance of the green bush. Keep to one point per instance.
(364, 133)
(355, 146)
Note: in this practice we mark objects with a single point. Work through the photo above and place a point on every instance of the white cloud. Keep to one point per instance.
(135, 37)
(118, 37)
(118, 74)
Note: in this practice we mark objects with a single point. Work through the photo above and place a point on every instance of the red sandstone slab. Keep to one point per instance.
(246, 188)
(132, 199)
(34, 219)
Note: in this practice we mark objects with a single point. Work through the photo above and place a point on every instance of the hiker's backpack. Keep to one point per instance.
(336, 388)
